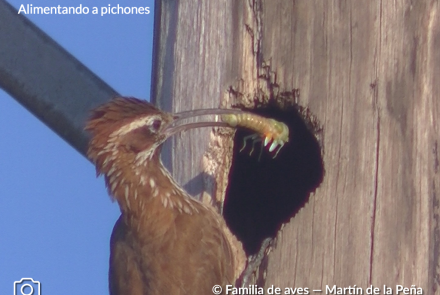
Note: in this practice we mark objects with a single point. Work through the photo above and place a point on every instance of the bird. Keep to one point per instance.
(165, 241)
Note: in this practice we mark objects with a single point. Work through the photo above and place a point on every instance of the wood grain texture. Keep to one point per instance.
(192, 53)
(368, 70)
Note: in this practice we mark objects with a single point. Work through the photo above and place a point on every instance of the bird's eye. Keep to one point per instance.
(155, 125)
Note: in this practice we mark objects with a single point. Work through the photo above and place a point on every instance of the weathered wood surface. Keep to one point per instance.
(369, 72)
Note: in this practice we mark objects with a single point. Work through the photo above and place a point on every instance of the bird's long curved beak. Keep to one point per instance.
(182, 121)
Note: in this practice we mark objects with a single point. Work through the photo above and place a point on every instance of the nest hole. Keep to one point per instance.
(263, 193)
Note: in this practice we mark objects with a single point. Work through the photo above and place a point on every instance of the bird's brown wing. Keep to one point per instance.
(187, 257)
(208, 253)
(125, 277)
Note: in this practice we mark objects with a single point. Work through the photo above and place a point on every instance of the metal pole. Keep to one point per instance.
(46, 79)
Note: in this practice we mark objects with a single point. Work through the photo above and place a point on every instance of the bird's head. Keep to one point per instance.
(126, 130)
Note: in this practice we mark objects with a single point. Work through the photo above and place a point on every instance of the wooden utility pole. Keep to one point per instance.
(368, 71)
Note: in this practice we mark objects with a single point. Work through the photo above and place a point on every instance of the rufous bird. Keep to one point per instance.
(165, 242)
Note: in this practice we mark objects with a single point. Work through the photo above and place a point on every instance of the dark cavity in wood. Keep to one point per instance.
(263, 194)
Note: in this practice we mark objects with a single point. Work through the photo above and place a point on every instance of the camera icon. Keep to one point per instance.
(27, 286)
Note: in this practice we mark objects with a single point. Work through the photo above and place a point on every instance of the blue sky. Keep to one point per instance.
(56, 217)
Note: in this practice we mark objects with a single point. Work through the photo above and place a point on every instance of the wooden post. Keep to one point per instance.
(368, 71)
